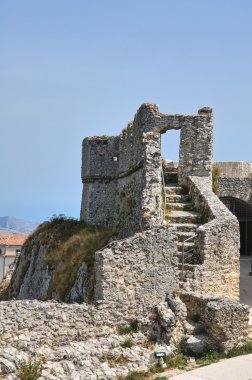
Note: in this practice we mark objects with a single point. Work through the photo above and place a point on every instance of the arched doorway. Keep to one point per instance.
(243, 212)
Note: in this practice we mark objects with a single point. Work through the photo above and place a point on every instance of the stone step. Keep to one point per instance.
(183, 217)
(185, 206)
(187, 246)
(182, 236)
(179, 190)
(171, 176)
(188, 273)
(170, 169)
(185, 227)
(175, 198)
(190, 258)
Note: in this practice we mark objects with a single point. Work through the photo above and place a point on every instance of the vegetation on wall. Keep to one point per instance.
(69, 243)
(4, 290)
(215, 180)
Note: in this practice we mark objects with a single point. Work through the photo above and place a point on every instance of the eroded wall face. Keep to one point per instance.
(122, 180)
(135, 274)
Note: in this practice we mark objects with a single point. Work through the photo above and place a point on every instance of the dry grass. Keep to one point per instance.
(215, 180)
(4, 290)
(69, 243)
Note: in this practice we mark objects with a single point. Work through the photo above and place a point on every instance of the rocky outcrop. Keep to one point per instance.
(32, 277)
(81, 290)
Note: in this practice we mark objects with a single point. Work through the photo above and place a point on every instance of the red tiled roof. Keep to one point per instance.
(12, 240)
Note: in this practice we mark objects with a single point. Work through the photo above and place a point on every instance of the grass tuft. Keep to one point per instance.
(215, 180)
(31, 369)
(128, 329)
(176, 361)
(128, 343)
(137, 375)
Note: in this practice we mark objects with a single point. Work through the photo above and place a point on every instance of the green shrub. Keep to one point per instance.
(128, 329)
(215, 356)
(127, 343)
(243, 350)
(161, 378)
(176, 361)
(31, 369)
(215, 180)
(210, 357)
(135, 375)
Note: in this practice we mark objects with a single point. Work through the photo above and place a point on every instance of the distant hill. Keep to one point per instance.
(10, 225)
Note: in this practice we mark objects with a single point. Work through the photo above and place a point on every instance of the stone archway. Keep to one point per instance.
(243, 211)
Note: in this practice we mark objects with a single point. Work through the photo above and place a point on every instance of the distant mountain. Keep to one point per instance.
(8, 231)
(10, 224)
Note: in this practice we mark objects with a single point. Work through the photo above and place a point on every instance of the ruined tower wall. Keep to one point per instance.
(122, 175)
(99, 173)
(196, 146)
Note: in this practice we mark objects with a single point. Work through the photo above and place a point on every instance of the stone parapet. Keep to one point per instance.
(217, 243)
(234, 169)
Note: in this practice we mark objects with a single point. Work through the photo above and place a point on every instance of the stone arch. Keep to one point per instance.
(243, 211)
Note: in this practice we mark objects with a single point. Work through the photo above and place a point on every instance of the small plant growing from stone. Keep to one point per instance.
(215, 180)
(128, 343)
(128, 329)
(176, 361)
(135, 375)
(31, 369)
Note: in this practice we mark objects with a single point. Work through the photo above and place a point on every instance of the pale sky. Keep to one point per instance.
(70, 69)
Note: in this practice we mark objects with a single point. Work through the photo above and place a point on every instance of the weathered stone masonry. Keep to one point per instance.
(123, 186)
(139, 276)
(122, 175)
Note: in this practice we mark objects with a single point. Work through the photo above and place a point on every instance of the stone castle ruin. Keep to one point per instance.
(186, 237)
(172, 269)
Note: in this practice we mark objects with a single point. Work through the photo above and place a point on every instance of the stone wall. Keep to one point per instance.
(225, 320)
(74, 341)
(234, 169)
(240, 188)
(133, 275)
(217, 244)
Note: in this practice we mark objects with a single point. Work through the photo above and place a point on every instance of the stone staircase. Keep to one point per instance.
(180, 212)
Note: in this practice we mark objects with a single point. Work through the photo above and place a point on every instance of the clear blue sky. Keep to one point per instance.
(70, 69)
